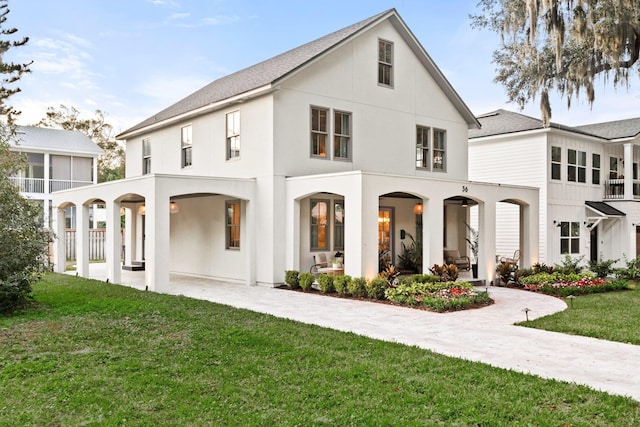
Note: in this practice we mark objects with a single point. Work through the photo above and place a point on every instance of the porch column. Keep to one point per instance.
(247, 240)
(628, 171)
(113, 242)
(487, 241)
(157, 254)
(292, 244)
(432, 233)
(529, 235)
(82, 240)
(60, 248)
(47, 190)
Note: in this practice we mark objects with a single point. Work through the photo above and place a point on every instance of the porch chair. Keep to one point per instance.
(514, 261)
(452, 256)
(319, 261)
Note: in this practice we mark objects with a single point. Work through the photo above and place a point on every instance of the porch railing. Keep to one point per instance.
(28, 185)
(614, 189)
(65, 184)
(97, 238)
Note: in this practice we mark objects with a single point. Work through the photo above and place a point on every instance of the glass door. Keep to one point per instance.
(385, 234)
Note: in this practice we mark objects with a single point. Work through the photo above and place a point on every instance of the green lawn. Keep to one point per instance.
(92, 353)
(611, 316)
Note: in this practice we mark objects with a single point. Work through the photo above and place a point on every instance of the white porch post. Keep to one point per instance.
(247, 241)
(47, 187)
(113, 242)
(60, 249)
(529, 235)
(353, 230)
(369, 246)
(628, 171)
(292, 248)
(82, 240)
(432, 233)
(487, 241)
(157, 254)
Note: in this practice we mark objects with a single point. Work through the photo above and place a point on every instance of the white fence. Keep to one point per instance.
(96, 243)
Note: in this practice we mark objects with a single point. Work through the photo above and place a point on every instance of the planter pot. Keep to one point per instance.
(336, 266)
(474, 270)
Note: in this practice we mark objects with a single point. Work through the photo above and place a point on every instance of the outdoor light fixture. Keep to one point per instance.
(418, 208)
(465, 203)
(142, 210)
(173, 207)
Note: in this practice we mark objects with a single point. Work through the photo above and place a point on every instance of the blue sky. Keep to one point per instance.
(132, 58)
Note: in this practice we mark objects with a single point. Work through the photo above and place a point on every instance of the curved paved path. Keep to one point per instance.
(485, 335)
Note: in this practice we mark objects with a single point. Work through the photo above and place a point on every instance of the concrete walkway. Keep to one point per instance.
(484, 335)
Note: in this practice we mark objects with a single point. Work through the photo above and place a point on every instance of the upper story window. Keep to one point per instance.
(422, 147)
(385, 63)
(576, 166)
(595, 168)
(556, 161)
(439, 150)
(233, 135)
(186, 144)
(342, 135)
(146, 156)
(233, 224)
(613, 168)
(319, 131)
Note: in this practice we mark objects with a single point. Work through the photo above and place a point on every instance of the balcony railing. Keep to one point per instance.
(614, 189)
(37, 185)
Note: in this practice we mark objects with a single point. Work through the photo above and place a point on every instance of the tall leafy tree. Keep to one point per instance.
(562, 45)
(23, 241)
(111, 163)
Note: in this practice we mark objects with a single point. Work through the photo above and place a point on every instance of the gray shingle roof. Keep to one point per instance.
(257, 75)
(627, 128)
(54, 140)
(604, 208)
(502, 122)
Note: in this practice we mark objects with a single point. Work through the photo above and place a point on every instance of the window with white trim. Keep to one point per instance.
(576, 166)
(439, 150)
(338, 225)
(186, 144)
(569, 237)
(385, 63)
(595, 168)
(341, 135)
(319, 131)
(556, 162)
(233, 135)
(232, 224)
(319, 225)
(146, 156)
(422, 147)
(613, 168)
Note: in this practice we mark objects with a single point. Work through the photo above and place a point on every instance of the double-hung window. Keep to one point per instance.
(186, 144)
(319, 225)
(146, 156)
(422, 147)
(319, 131)
(233, 224)
(595, 168)
(569, 237)
(338, 225)
(385, 63)
(613, 168)
(439, 150)
(233, 135)
(556, 162)
(341, 135)
(576, 166)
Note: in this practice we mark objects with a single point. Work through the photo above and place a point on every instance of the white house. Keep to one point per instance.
(588, 180)
(57, 160)
(346, 143)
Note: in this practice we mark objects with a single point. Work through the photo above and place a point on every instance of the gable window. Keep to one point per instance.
(569, 237)
(146, 156)
(576, 166)
(595, 168)
(422, 147)
(556, 161)
(613, 168)
(338, 225)
(186, 146)
(233, 224)
(385, 63)
(233, 135)
(319, 225)
(439, 150)
(319, 132)
(341, 135)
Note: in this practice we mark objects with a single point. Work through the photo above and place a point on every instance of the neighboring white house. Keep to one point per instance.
(346, 143)
(588, 180)
(57, 160)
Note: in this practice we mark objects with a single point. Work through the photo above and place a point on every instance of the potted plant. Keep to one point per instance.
(472, 240)
(336, 263)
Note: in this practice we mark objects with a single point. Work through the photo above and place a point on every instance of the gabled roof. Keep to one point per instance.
(54, 140)
(628, 128)
(274, 70)
(604, 209)
(502, 122)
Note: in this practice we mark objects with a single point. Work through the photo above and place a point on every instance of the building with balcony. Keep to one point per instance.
(588, 178)
(57, 160)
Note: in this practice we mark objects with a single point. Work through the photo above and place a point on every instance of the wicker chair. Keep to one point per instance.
(452, 256)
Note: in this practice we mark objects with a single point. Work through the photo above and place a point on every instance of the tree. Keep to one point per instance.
(562, 45)
(23, 241)
(111, 163)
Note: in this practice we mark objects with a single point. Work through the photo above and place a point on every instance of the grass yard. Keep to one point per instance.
(91, 353)
(612, 316)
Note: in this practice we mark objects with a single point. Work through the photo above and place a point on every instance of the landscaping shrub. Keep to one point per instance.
(418, 278)
(541, 268)
(562, 284)
(602, 268)
(446, 272)
(376, 288)
(291, 278)
(506, 270)
(340, 283)
(631, 272)
(569, 265)
(390, 274)
(439, 296)
(357, 287)
(306, 280)
(325, 282)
